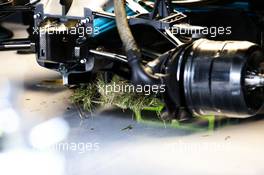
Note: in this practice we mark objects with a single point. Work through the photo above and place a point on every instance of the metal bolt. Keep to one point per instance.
(85, 21)
(83, 61)
(36, 16)
(62, 68)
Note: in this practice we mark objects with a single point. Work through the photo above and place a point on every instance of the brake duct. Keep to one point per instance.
(204, 77)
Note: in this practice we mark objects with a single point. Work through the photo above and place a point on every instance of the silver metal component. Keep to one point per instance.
(83, 61)
(17, 46)
(255, 80)
(105, 15)
(65, 79)
(42, 44)
(37, 16)
(136, 7)
(89, 64)
(85, 21)
(62, 69)
(77, 52)
(175, 39)
(114, 56)
(14, 46)
(32, 2)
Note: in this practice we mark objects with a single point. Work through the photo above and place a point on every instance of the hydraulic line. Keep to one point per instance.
(140, 74)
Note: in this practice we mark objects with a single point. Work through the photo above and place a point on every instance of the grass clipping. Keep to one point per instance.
(93, 95)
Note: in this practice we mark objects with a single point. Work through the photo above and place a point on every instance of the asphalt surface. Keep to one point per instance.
(48, 136)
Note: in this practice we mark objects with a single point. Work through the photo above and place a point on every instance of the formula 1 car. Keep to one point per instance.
(206, 54)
